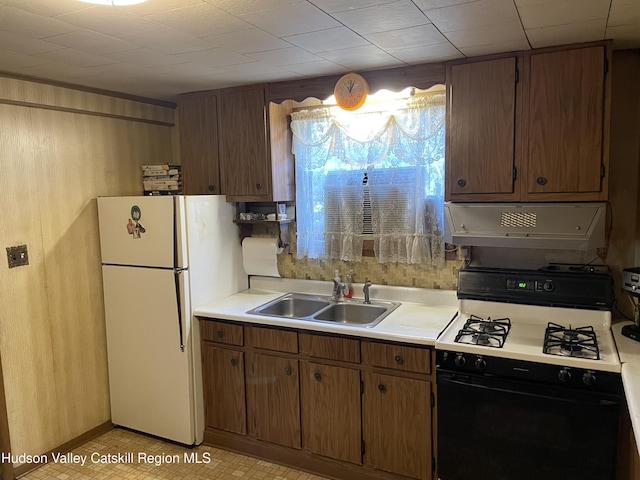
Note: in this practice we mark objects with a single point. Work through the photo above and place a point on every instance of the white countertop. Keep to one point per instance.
(629, 352)
(420, 318)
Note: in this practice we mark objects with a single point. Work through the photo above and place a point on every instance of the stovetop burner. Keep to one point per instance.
(571, 342)
(485, 332)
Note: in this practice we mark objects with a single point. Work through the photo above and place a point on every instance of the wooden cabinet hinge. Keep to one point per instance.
(515, 173)
(433, 400)
(362, 447)
(517, 75)
(361, 387)
(602, 171)
(606, 65)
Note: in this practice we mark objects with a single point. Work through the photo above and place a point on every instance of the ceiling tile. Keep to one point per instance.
(200, 20)
(562, 12)
(31, 25)
(508, 33)
(624, 14)
(28, 46)
(317, 69)
(170, 42)
(75, 58)
(366, 58)
(47, 9)
(291, 19)
(215, 57)
(333, 6)
(325, 40)
(566, 34)
(478, 14)
(432, 4)
(62, 72)
(18, 61)
(407, 37)
(478, 50)
(159, 6)
(241, 7)
(438, 52)
(284, 56)
(113, 21)
(379, 18)
(625, 36)
(91, 42)
(246, 41)
(147, 57)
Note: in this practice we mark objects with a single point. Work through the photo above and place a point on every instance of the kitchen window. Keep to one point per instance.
(377, 173)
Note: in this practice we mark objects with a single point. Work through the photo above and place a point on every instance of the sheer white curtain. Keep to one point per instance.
(392, 161)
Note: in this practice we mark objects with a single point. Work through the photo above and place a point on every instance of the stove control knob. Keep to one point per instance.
(460, 361)
(564, 375)
(589, 378)
(480, 363)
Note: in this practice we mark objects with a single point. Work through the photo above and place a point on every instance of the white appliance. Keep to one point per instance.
(162, 256)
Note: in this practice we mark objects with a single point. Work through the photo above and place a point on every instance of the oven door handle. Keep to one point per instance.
(578, 397)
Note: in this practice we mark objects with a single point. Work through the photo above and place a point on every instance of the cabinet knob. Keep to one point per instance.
(287, 370)
(317, 376)
(461, 182)
(234, 362)
(258, 186)
(399, 360)
(382, 388)
(211, 188)
(220, 334)
(541, 181)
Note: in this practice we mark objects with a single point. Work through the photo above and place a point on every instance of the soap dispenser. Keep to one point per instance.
(348, 289)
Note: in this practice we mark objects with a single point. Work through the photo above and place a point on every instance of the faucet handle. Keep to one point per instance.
(365, 289)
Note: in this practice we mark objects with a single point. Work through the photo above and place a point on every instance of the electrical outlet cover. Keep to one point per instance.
(17, 256)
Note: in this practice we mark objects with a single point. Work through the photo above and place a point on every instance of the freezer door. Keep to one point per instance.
(140, 230)
(150, 376)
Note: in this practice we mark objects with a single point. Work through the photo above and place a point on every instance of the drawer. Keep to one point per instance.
(272, 339)
(399, 357)
(329, 347)
(221, 332)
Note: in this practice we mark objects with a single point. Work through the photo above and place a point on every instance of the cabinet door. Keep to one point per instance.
(273, 399)
(565, 122)
(396, 416)
(331, 411)
(224, 394)
(198, 118)
(481, 109)
(244, 158)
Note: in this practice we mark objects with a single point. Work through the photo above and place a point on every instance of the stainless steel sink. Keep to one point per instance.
(319, 308)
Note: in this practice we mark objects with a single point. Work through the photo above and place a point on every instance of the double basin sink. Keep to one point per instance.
(318, 308)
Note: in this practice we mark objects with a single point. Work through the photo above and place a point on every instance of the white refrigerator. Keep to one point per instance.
(161, 256)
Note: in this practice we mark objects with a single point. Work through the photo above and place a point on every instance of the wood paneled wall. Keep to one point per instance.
(54, 161)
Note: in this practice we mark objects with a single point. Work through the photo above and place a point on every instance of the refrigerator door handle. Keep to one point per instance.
(176, 276)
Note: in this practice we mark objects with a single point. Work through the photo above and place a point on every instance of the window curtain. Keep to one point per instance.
(396, 159)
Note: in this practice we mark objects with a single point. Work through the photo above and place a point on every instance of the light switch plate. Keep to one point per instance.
(17, 256)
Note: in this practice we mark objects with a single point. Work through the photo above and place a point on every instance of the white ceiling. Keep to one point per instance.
(162, 48)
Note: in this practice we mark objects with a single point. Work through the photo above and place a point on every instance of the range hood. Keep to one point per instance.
(562, 226)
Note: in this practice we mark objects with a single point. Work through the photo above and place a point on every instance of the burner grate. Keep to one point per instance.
(571, 342)
(484, 332)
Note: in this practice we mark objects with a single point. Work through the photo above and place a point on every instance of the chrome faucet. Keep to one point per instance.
(365, 289)
(338, 291)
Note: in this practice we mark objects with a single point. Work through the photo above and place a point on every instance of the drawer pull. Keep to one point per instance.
(234, 362)
(541, 181)
(382, 388)
(220, 334)
(317, 376)
(399, 360)
(287, 370)
(258, 186)
(462, 182)
(211, 188)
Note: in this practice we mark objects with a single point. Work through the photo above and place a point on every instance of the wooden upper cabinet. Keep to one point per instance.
(529, 127)
(481, 108)
(197, 117)
(565, 123)
(255, 146)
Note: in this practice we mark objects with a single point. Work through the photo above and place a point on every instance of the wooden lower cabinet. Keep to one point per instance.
(273, 399)
(224, 392)
(330, 409)
(341, 407)
(396, 425)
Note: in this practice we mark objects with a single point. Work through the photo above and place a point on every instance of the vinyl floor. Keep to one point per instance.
(124, 455)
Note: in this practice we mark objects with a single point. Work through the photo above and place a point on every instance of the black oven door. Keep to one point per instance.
(496, 429)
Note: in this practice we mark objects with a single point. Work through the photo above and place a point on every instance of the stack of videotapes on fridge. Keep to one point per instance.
(162, 179)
